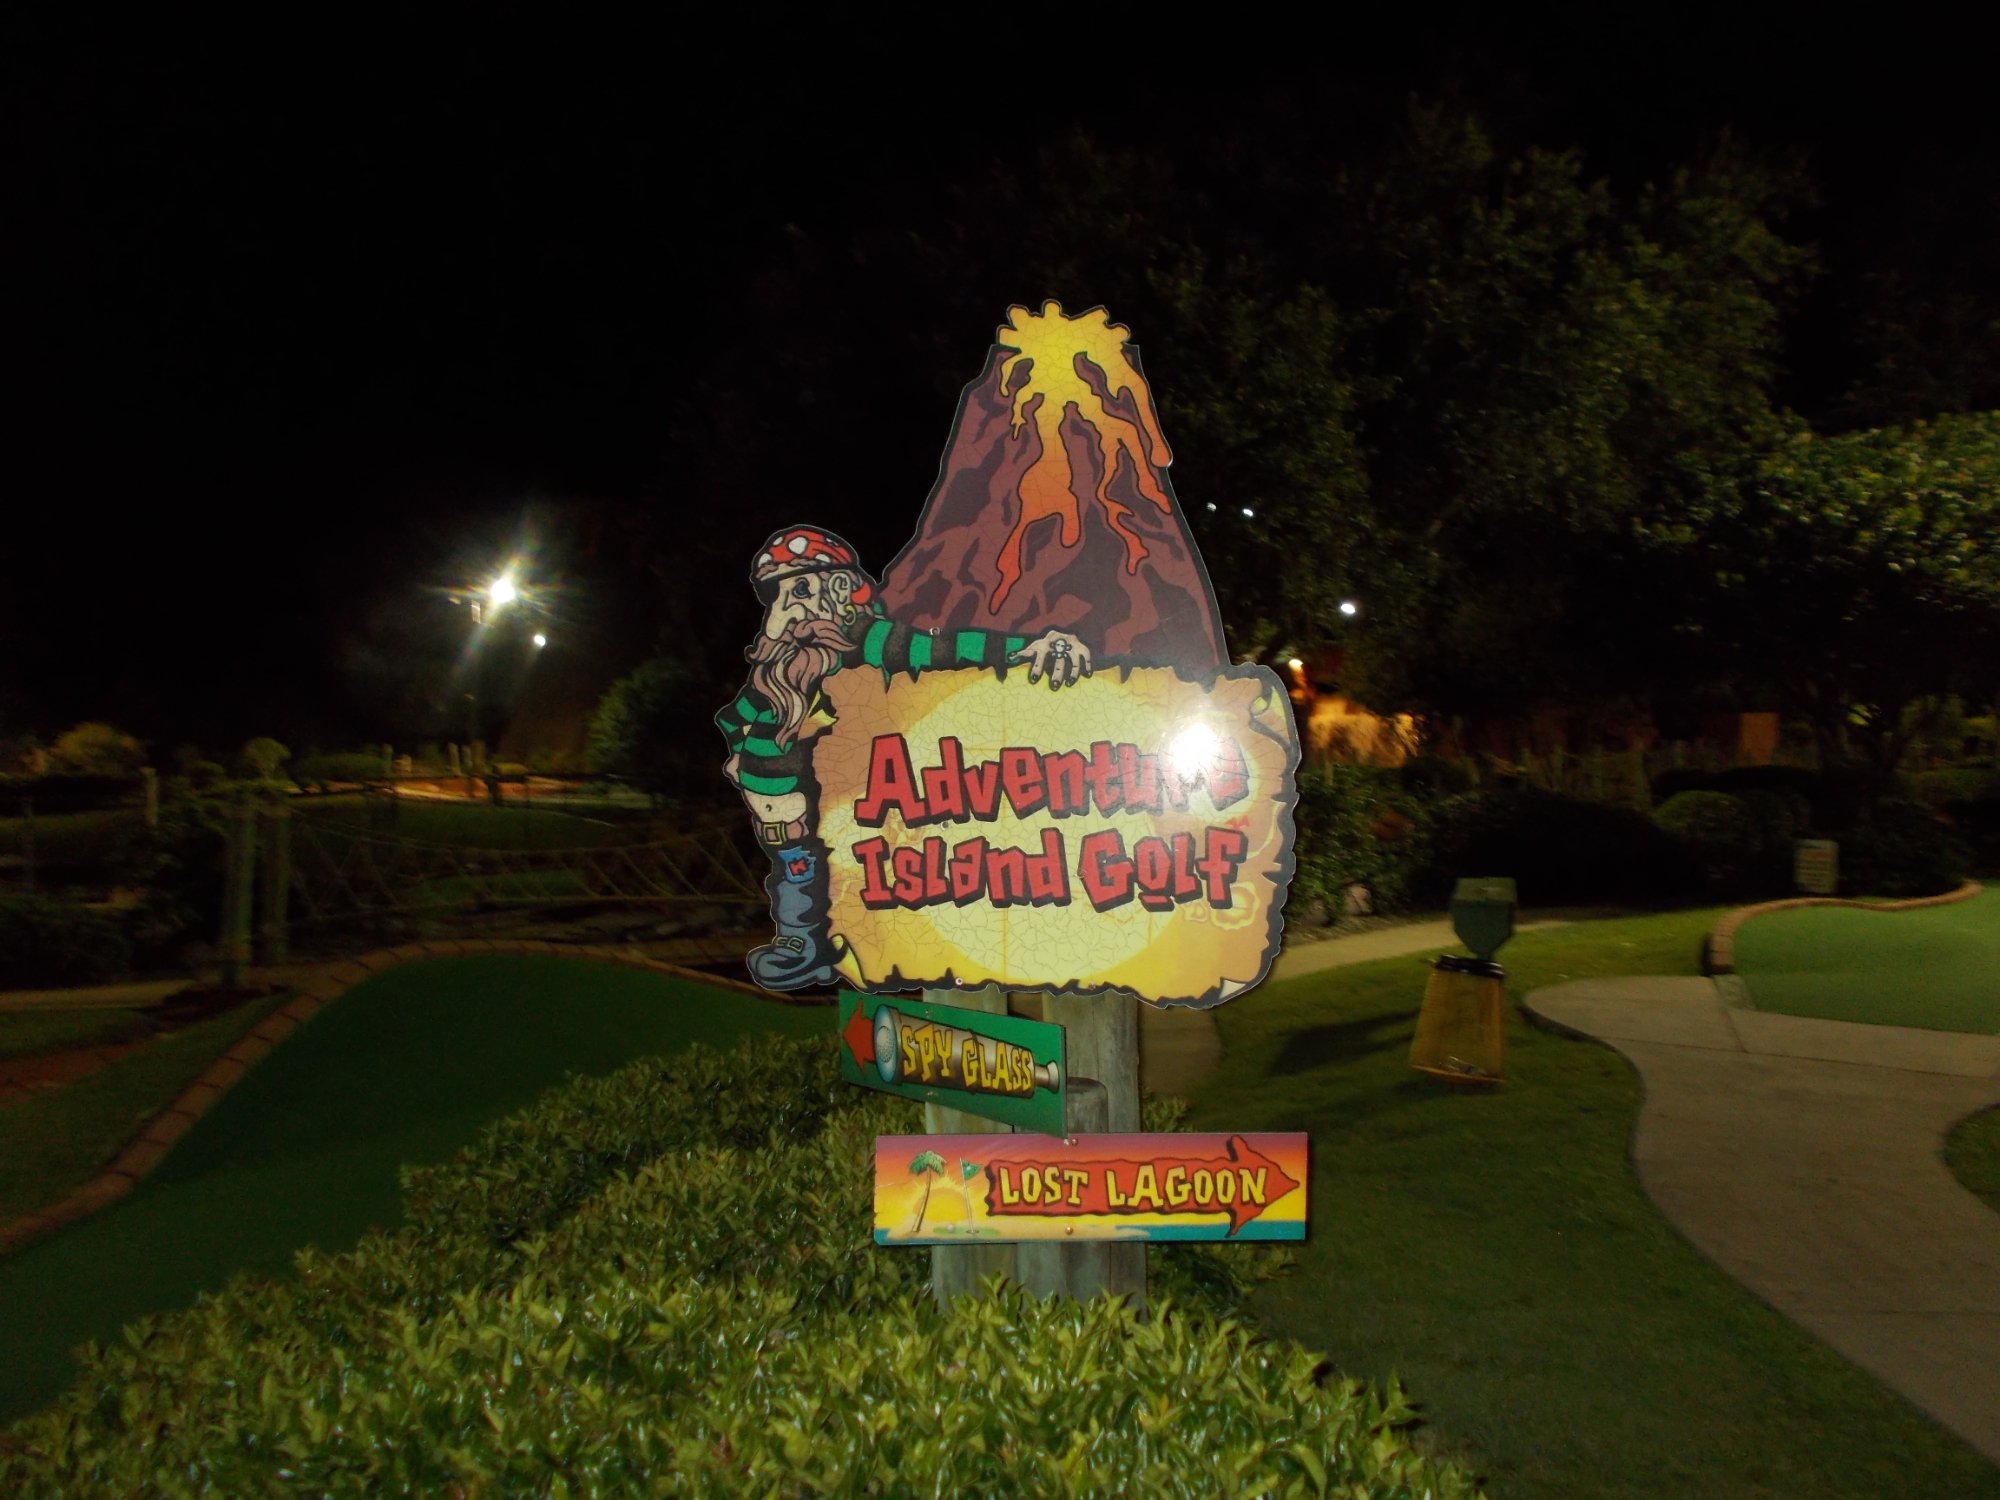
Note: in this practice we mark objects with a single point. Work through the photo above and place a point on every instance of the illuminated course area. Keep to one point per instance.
(405, 1068)
(1933, 968)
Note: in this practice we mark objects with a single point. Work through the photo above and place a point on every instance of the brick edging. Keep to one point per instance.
(1719, 953)
(326, 983)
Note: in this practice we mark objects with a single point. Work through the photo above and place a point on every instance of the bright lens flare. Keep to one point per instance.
(1193, 749)
(502, 591)
(540, 640)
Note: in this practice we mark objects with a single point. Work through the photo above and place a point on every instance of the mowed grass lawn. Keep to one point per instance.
(1495, 1251)
(1937, 967)
(407, 1067)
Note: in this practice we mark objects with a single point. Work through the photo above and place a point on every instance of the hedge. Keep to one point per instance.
(663, 1281)
(45, 944)
(1559, 850)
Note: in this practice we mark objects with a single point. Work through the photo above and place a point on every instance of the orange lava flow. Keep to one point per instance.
(1054, 349)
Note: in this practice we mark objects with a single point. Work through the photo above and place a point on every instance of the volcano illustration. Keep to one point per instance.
(1052, 508)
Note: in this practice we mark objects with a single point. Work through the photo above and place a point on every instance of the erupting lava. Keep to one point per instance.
(1054, 507)
(1075, 365)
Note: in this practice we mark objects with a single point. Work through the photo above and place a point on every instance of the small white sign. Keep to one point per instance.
(1816, 866)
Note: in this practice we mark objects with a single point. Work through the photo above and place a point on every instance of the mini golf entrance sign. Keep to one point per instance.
(998, 1067)
(1020, 758)
(958, 1189)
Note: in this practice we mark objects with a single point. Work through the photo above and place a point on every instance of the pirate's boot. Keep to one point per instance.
(801, 954)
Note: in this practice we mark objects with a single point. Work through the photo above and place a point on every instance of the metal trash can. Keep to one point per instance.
(1462, 1029)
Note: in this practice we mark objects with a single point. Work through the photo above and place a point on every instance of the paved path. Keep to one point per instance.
(1804, 1158)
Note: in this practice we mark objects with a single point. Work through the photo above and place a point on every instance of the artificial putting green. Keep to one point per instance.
(1937, 967)
(404, 1068)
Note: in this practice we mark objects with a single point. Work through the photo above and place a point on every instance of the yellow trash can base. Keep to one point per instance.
(1461, 1031)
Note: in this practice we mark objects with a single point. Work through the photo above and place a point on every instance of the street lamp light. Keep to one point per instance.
(502, 591)
(540, 640)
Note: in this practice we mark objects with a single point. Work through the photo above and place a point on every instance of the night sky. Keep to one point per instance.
(297, 325)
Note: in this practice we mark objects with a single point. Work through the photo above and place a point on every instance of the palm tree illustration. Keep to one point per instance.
(927, 1165)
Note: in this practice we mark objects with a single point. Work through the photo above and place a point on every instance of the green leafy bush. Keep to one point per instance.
(96, 750)
(1723, 836)
(1356, 826)
(1559, 850)
(263, 758)
(642, 1284)
(1904, 849)
(316, 773)
(1955, 784)
(66, 792)
(1978, 823)
(44, 944)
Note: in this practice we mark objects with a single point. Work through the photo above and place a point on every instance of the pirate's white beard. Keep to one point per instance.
(789, 670)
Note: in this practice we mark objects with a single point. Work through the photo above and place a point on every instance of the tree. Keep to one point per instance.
(1861, 576)
(648, 727)
(263, 758)
(94, 749)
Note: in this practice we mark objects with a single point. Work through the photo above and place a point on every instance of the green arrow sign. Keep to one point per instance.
(995, 1066)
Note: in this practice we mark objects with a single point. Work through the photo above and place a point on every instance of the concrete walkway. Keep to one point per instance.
(1805, 1158)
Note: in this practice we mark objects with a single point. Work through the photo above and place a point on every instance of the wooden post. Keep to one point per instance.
(1054, 1268)
(273, 938)
(1101, 1040)
(957, 1270)
(239, 874)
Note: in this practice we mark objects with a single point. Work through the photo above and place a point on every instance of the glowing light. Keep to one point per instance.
(1211, 505)
(1248, 511)
(1054, 348)
(1194, 747)
(1296, 665)
(1348, 607)
(502, 591)
(540, 640)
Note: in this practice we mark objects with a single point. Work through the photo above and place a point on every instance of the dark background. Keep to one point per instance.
(299, 325)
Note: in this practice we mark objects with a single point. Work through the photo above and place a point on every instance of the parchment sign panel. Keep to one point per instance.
(1131, 832)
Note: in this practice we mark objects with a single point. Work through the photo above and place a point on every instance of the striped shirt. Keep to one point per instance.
(750, 723)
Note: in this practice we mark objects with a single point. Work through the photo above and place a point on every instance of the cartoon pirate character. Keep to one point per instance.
(820, 616)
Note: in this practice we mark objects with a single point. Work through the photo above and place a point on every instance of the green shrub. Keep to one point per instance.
(1340, 810)
(704, 1312)
(1904, 849)
(262, 758)
(316, 773)
(44, 944)
(1978, 823)
(1559, 850)
(1722, 835)
(66, 793)
(1955, 784)
(96, 750)
(1431, 777)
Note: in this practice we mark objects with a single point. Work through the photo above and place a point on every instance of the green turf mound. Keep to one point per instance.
(1937, 967)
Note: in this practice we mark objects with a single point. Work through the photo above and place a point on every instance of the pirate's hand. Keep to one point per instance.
(1058, 655)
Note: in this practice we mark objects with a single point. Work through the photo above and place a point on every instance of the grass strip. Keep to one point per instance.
(52, 1143)
(1972, 1151)
(29, 1033)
